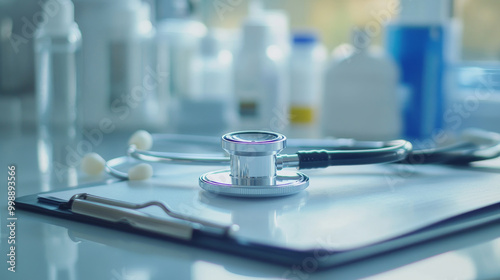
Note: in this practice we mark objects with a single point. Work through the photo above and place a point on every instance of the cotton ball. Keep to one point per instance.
(141, 139)
(93, 164)
(142, 171)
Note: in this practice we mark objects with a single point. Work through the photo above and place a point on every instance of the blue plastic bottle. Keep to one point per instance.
(416, 40)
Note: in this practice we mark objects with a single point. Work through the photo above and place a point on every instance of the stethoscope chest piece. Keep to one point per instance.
(253, 168)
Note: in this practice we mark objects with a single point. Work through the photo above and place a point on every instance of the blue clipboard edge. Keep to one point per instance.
(284, 256)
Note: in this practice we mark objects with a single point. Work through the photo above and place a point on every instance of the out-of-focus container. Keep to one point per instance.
(210, 107)
(260, 82)
(306, 65)
(361, 93)
(417, 42)
(133, 79)
(57, 45)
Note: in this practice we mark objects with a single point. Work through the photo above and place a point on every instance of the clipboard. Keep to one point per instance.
(343, 186)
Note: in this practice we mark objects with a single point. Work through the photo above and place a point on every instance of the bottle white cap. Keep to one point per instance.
(255, 9)
(61, 18)
(280, 30)
(425, 11)
(145, 12)
(128, 16)
(256, 30)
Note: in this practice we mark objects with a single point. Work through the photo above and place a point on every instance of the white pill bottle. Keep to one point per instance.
(361, 93)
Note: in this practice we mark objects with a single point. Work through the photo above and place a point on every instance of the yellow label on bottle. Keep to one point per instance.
(302, 115)
(248, 109)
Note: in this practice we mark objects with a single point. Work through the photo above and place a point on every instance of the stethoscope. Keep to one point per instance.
(256, 165)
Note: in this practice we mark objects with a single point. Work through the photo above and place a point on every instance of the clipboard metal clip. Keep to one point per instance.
(117, 211)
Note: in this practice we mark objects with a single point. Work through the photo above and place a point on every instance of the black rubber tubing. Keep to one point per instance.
(391, 151)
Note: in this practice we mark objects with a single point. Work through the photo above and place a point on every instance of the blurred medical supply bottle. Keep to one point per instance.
(16, 52)
(260, 76)
(416, 40)
(17, 80)
(361, 93)
(280, 29)
(210, 108)
(179, 35)
(57, 46)
(133, 77)
(306, 67)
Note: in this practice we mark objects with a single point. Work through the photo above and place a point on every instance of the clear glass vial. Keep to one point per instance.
(57, 46)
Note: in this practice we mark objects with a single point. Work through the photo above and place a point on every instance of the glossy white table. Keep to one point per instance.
(52, 248)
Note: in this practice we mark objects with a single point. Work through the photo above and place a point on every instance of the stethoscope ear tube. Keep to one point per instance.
(177, 158)
(392, 151)
(255, 163)
(383, 152)
(475, 145)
